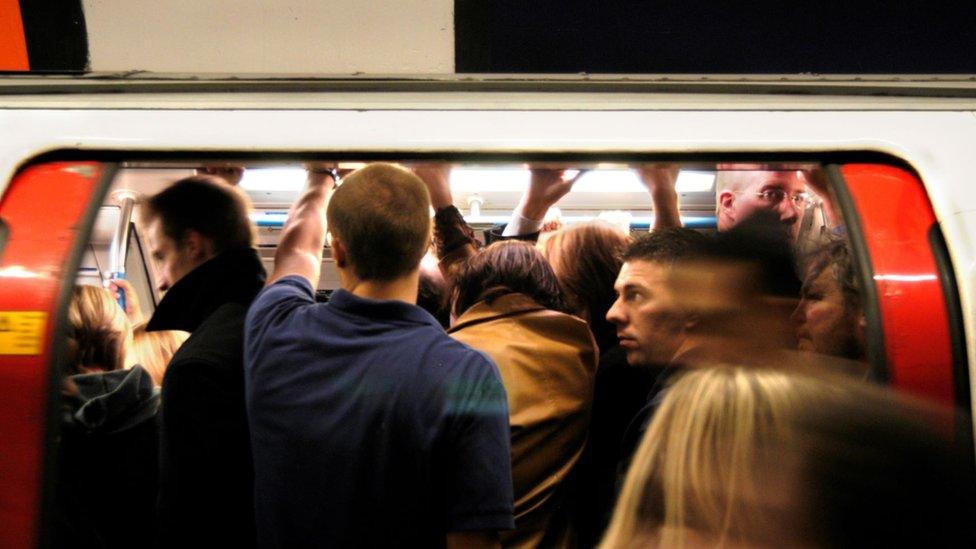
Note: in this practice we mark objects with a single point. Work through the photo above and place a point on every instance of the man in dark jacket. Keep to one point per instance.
(201, 241)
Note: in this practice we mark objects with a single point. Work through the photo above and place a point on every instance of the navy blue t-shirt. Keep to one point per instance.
(369, 425)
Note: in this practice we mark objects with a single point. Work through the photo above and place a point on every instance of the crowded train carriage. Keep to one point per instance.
(279, 321)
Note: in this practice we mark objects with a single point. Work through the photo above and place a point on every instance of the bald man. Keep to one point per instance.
(739, 194)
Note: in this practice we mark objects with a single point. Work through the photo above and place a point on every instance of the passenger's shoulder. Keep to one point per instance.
(281, 298)
(193, 373)
(227, 316)
(563, 326)
(190, 359)
(460, 354)
(286, 288)
(444, 343)
(559, 317)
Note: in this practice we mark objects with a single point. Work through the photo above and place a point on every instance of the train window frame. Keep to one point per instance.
(830, 162)
(827, 161)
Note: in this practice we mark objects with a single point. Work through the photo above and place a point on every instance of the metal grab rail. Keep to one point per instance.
(119, 247)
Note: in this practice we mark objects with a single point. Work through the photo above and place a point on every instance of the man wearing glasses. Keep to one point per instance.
(740, 194)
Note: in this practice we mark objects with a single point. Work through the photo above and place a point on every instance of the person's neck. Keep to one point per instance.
(693, 345)
(400, 289)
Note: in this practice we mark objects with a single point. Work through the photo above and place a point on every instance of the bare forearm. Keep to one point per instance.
(303, 237)
(661, 181)
(533, 208)
(305, 228)
(666, 212)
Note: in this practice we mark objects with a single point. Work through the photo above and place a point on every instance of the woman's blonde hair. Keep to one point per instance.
(99, 334)
(153, 350)
(696, 469)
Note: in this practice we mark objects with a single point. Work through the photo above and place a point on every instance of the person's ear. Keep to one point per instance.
(197, 247)
(338, 252)
(726, 200)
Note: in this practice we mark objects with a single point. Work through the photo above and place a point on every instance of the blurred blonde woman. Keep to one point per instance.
(153, 350)
(693, 481)
(99, 333)
(106, 492)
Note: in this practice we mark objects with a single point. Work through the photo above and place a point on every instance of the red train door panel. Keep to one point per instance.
(894, 221)
(44, 211)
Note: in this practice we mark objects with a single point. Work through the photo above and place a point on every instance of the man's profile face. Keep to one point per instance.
(650, 325)
(781, 192)
(172, 261)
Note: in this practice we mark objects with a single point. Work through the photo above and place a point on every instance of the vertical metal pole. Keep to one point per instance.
(119, 248)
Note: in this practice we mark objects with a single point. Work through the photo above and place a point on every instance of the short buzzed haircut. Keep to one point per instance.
(207, 205)
(731, 180)
(381, 214)
(666, 246)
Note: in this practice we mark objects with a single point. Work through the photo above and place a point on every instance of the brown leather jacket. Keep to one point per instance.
(547, 361)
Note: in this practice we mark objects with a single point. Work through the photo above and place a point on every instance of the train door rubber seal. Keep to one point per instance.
(4, 234)
(877, 356)
(963, 431)
(960, 365)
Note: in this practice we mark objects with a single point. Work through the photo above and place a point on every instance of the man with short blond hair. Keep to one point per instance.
(371, 426)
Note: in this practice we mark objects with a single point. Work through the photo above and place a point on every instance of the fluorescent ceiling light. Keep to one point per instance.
(695, 182)
(479, 180)
(609, 181)
(278, 219)
(472, 180)
(274, 179)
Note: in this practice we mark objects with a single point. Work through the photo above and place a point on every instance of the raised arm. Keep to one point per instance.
(454, 240)
(133, 309)
(302, 239)
(817, 182)
(546, 187)
(660, 180)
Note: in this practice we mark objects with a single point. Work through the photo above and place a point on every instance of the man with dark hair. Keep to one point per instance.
(685, 299)
(371, 427)
(651, 324)
(201, 241)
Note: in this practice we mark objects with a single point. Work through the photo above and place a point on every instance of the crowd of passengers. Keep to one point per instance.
(555, 387)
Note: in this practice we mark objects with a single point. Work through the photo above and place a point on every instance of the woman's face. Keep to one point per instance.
(824, 323)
